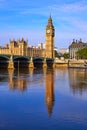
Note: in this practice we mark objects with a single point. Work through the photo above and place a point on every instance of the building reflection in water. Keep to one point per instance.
(16, 82)
(78, 80)
(49, 90)
(31, 71)
(11, 80)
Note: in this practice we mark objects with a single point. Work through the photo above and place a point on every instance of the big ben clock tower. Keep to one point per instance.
(50, 33)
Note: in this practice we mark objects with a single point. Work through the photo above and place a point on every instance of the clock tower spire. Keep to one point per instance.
(50, 33)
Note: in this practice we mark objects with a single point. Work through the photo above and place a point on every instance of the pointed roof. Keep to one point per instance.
(50, 21)
(50, 18)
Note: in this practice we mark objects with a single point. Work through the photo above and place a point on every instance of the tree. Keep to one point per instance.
(82, 53)
(66, 55)
(56, 54)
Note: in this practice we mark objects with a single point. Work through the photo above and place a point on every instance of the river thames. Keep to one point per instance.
(43, 99)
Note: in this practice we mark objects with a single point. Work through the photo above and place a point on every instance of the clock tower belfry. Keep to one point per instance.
(50, 33)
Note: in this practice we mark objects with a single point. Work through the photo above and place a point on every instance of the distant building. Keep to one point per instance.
(75, 46)
(40, 45)
(63, 50)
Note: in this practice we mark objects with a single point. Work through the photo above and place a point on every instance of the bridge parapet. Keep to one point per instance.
(25, 61)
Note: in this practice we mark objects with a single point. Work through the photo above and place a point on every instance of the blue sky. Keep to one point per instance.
(28, 19)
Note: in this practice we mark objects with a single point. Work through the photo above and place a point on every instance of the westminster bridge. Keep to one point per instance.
(9, 61)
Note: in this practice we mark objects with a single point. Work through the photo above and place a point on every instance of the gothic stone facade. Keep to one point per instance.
(20, 47)
(50, 33)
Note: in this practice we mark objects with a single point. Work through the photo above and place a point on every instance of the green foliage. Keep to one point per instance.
(82, 53)
(56, 54)
(66, 55)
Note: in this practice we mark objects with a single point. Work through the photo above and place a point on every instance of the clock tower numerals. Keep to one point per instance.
(48, 31)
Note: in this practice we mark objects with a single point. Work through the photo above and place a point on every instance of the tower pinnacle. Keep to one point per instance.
(50, 21)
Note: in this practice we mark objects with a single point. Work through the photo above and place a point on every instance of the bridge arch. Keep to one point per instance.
(4, 57)
(21, 58)
(49, 62)
(21, 62)
(38, 62)
(4, 60)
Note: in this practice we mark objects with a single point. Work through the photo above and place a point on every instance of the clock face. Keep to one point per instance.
(48, 31)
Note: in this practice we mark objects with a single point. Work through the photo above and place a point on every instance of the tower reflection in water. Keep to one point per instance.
(17, 82)
(20, 83)
(78, 80)
(49, 90)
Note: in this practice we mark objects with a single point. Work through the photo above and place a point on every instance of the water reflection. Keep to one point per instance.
(49, 90)
(78, 80)
(29, 97)
(20, 81)
(17, 82)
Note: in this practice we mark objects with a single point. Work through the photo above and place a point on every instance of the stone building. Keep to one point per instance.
(50, 33)
(75, 46)
(15, 48)
(21, 47)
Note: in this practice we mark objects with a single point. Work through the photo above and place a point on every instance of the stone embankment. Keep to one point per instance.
(70, 62)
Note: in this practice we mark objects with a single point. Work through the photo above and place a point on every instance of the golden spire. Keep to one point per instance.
(50, 23)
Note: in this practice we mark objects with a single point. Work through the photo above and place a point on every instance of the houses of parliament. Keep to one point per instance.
(21, 47)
